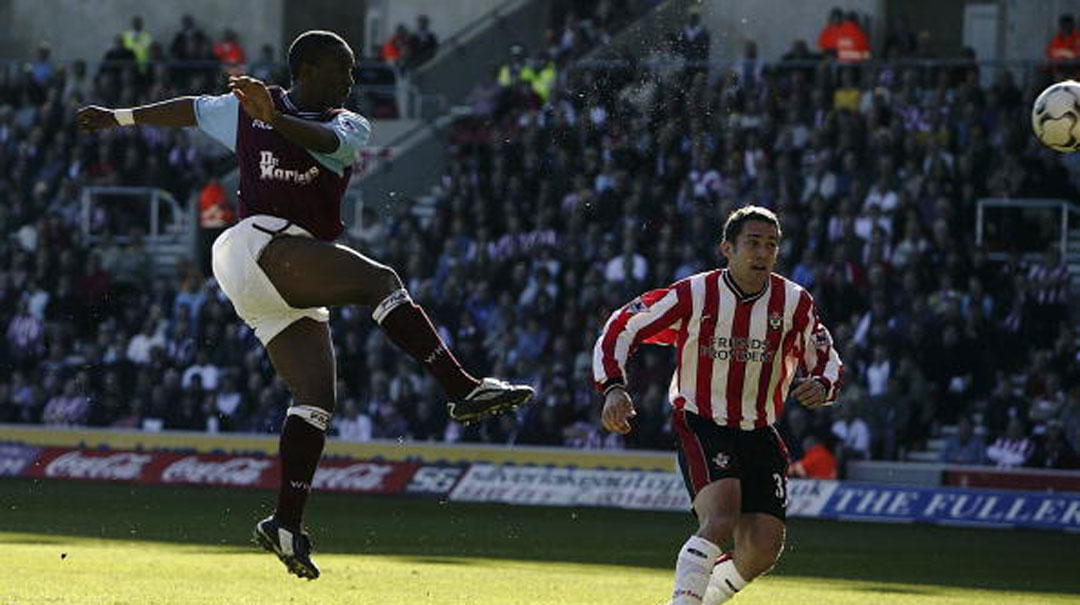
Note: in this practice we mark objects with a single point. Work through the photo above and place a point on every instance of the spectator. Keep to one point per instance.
(395, 50)
(187, 40)
(207, 372)
(1064, 47)
(828, 39)
(853, 434)
(749, 69)
(138, 41)
(230, 53)
(851, 42)
(1013, 449)
(351, 424)
(25, 335)
(423, 44)
(964, 446)
(141, 344)
(67, 408)
(229, 403)
(819, 462)
(117, 58)
(42, 69)
(1048, 284)
(694, 42)
(1055, 451)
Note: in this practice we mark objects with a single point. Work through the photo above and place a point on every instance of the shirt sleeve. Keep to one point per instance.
(217, 116)
(353, 132)
(819, 356)
(652, 318)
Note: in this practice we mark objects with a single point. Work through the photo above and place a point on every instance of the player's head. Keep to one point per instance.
(322, 62)
(751, 244)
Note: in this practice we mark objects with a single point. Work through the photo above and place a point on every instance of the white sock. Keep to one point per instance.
(724, 583)
(692, 569)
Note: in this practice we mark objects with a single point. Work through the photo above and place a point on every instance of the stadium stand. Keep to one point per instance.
(553, 211)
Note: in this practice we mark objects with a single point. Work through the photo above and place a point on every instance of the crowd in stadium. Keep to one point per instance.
(561, 204)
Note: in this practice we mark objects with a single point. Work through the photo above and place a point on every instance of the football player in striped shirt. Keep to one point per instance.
(745, 339)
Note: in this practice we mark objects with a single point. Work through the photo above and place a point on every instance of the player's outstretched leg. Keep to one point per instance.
(303, 355)
(312, 273)
(409, 327)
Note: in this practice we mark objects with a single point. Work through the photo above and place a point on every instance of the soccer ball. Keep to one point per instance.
(1055, 118)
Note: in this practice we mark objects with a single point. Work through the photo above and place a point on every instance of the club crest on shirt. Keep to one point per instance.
(721, 460)
(636, 306)
(775, 320)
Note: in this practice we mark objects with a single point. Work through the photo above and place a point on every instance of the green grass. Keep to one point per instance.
(90, 543)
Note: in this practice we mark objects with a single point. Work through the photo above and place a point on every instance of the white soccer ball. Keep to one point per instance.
(1055, 118)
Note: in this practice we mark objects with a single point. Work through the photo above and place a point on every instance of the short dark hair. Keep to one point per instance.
(311, 46)
(733, 226)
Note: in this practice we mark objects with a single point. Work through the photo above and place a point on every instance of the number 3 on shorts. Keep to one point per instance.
(781, 487)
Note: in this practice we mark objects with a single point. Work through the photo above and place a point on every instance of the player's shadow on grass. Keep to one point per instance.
(891, 556)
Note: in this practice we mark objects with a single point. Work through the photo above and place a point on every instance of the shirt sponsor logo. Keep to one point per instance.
(269, 170)
(747, 350)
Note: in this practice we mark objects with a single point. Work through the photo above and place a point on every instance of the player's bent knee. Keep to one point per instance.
(315, 416)
(717, 528)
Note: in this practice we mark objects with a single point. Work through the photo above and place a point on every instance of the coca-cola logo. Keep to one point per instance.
(235, 471)
(362, 477)
(75, 465)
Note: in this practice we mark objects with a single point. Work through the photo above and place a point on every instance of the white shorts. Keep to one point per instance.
(235, 261)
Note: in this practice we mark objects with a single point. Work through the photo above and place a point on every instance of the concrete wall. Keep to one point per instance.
(447, 17)
(774, 24)
(84, 29)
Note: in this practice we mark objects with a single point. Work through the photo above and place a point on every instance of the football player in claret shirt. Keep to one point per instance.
(279, 265)
(745, 339)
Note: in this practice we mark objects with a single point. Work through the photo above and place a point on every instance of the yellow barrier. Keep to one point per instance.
(386, 450)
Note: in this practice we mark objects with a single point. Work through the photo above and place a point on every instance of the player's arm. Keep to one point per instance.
(651, 318)
(256, 101)
(175, 113)
(821, 362)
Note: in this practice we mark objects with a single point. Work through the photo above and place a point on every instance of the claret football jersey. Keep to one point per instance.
(279, 177)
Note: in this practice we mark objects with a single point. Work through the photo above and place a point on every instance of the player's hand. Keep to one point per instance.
(254, 97)
(93, 118)
(618, 410)
(810, 393)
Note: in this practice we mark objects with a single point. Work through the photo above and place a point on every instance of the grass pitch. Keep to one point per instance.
(92, 543)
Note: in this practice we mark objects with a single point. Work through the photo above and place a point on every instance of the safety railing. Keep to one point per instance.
(113, 212)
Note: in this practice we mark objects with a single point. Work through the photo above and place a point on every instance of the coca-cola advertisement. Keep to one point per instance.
(59, 463)
(220, 469)
(340, 475)
(357, 476)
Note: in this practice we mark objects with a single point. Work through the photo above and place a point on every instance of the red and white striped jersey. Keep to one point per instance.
(736, 354)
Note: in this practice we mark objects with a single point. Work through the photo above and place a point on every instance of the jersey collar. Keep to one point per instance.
(741, 296)
(287, 101)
